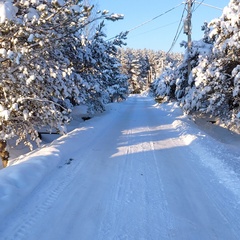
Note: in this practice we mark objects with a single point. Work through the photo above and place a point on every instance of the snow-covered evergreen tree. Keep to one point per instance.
(143, 66)
(100, 71)
(216, 77)
(214, 83)
(165, 85)
(41, 50)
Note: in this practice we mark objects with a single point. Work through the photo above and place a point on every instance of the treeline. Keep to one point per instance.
(143, 66)
(213, 86)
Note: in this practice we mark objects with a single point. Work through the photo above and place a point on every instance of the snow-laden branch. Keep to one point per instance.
(43, 100)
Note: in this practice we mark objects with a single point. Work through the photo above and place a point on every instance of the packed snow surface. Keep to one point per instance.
(140, 171)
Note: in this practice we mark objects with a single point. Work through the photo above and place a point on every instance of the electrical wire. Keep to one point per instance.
(146, 22)
(199, 4)
(178, 32)
(163, 26)
(142, 24)
(211, 6)
(193, 5)
(175, 40)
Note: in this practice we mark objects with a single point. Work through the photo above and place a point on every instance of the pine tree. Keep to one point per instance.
(143, 66)
(42, 48)
(214, 83)
(217, 75)
(100, 71)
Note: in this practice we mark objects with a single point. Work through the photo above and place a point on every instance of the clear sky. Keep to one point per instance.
(157, 34)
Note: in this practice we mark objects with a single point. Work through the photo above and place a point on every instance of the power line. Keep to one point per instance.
(193, 10)
(211, 6)
(199, 4)
(175, 40)
(178, 32)
(163, 26)
(144, 23)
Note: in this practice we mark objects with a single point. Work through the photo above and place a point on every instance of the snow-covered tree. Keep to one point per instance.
(35, 74)
(100, 71)
(142, 66)
(216, 78)
(174, 83)
(214, 83)
(165, 85)
(40, 49)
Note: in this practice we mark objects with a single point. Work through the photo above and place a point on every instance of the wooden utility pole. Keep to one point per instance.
(189, 33)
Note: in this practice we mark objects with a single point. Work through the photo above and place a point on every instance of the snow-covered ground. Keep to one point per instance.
(139, 171)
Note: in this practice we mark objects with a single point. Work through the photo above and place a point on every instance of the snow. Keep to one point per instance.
(32, 15)
(3, 52)
(140, 170)
(30, 38)
(59, 2)
(5, 114)
(25, 114)
(7, 10)
(42, 7)
(116, 16)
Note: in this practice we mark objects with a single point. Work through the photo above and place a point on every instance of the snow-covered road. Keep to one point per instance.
(139, 172)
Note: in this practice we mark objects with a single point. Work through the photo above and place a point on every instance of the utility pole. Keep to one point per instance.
(189, 33)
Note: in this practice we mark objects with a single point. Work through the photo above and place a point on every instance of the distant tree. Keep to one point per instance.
(143, 66)
(164, 87)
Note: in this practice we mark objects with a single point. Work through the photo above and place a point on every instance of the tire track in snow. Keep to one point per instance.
(114, 224)
(139, 197)
(108, 226)
(166, 218)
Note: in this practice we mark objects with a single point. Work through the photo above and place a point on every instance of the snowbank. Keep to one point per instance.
(20, 179)
(17, 181)
(27, 171)
(7, 11)
(217, 146)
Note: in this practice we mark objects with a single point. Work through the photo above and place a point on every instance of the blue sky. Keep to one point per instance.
(157, 34)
